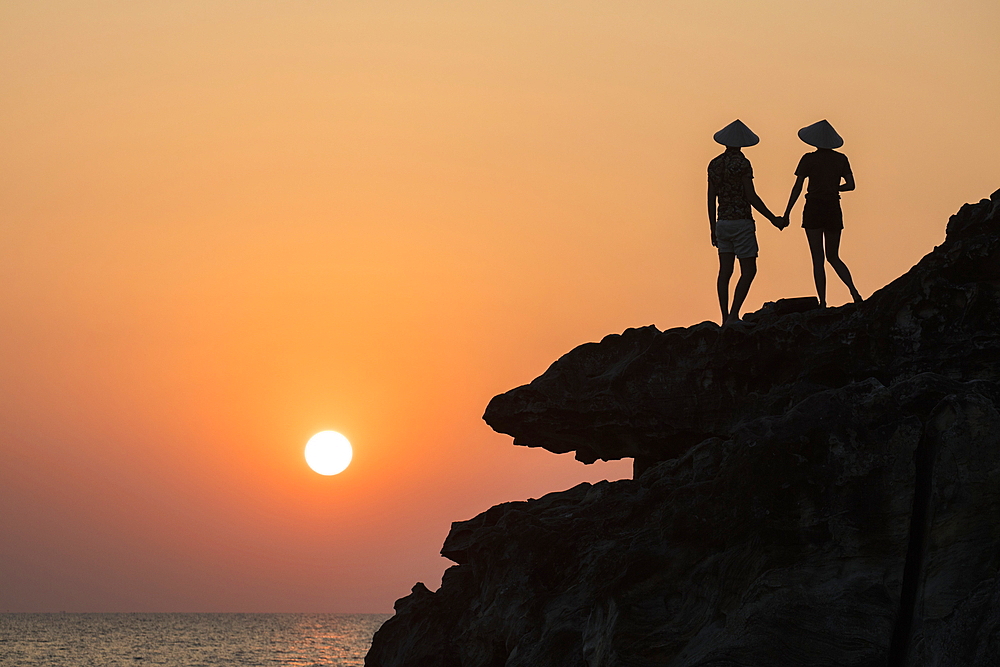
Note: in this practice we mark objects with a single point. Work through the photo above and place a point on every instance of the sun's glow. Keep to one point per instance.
(328, 453)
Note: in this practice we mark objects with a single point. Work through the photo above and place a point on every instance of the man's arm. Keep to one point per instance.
(794, 196)
(756, 202)
(712, 196)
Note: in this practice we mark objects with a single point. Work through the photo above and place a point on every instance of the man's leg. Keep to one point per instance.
(748, 269)
(833, 256)
(726, 262)
(815, 237)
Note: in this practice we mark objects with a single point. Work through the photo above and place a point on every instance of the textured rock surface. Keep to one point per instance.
(820, 488)
(650, 395)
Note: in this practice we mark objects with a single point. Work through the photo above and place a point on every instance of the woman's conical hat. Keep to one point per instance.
(736, 134)
(821, 135)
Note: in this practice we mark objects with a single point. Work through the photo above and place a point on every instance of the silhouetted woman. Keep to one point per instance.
(829, 174)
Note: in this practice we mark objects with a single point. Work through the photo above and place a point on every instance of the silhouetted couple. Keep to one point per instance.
(731, 195)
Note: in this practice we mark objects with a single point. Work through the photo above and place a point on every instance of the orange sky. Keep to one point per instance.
(225, 226)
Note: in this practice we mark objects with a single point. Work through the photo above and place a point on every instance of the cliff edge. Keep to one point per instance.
(815, 487)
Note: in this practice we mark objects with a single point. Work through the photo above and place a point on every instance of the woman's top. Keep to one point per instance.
(825, 168)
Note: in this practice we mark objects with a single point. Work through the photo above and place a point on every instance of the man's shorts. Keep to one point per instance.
(736, 236)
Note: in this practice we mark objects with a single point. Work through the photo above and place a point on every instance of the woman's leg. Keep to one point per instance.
(815, 237)
(833, 256)
(727, 260)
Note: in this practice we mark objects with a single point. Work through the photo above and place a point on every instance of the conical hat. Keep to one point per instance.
(821, 135)
(736, 134)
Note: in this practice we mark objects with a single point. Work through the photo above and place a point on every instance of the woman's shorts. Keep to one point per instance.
(736, 236)
(822, 214)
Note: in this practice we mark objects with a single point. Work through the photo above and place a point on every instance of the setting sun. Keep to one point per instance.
(328, 453)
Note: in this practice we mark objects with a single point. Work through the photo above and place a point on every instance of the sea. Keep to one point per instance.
(186, 640)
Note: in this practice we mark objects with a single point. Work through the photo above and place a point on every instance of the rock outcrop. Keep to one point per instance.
(815, 487)
(651, 395)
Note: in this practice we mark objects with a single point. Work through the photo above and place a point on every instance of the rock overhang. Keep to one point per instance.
(650, 395)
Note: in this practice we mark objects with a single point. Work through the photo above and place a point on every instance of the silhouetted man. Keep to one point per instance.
(730, 183)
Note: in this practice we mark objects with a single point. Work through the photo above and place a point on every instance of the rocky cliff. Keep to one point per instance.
(814, 487)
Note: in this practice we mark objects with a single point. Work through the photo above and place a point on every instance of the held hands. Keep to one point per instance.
(780, 221)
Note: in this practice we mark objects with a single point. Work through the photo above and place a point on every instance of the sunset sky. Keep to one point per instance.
(227, 225)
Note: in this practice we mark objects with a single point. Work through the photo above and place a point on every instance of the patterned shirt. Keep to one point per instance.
(725, 174)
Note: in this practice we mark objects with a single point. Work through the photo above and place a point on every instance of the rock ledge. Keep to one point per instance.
(819, 487)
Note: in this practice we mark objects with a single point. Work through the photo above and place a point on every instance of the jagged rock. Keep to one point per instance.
(820, 488)
(651, 395)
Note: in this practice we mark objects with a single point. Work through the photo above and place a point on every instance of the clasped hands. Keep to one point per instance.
(780, 221)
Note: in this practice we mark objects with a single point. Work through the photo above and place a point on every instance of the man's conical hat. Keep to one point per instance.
(821, 135)
(736, 134)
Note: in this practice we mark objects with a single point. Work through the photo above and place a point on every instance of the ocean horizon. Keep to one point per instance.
(58, 639)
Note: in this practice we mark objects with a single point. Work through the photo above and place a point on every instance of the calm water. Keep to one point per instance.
(186, 640)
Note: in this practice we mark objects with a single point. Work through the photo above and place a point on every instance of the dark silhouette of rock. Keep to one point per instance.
(651, 395)
(817, 487)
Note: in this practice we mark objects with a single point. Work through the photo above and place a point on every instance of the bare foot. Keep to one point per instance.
(857, 297)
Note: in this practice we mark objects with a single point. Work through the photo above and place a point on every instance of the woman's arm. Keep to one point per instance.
(794, 196)
(848, 184)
